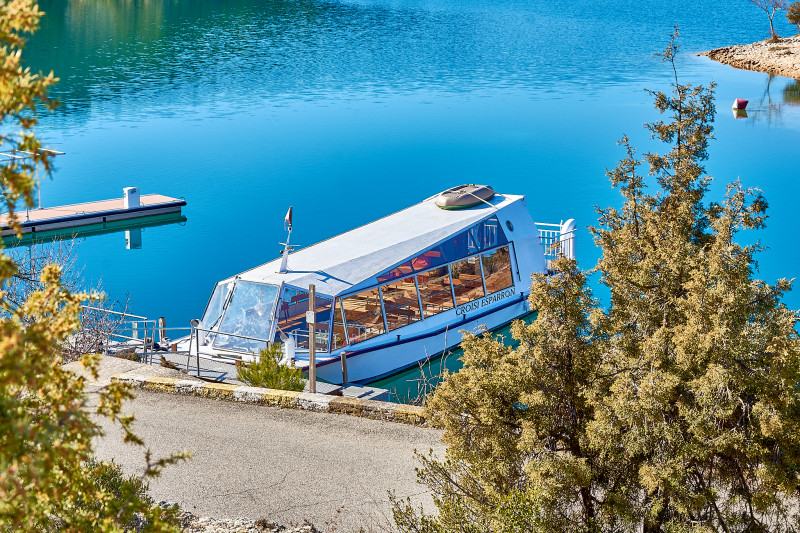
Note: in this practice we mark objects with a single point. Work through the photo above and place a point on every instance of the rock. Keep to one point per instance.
(194, 524)
(781, 58)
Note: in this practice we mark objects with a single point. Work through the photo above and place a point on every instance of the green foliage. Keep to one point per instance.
(793, 14)
(674, 409)
(46, 421)
(129, 497)
(268, 372)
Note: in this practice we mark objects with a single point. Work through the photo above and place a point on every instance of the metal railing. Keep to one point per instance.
(117, 333)
(127, 335)
(300, 337)
(194, 346)
(557, 239)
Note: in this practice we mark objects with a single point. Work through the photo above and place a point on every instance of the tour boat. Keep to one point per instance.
(389, 294)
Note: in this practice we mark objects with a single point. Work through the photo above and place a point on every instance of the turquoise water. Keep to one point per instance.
(413, 384)
(350, 110)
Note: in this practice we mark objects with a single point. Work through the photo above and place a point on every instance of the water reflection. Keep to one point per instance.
(791, 93)
(771, 109)
(133, 239)
(132, 228)
(152, 55)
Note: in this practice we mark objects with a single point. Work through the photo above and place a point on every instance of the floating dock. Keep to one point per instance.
(91, 230)
(65, 217)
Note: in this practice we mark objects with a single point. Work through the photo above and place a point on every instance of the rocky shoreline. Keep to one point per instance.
(195, 524)
(780, 58)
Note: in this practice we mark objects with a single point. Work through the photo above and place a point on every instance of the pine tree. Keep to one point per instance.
(702, 359)
(675, 408)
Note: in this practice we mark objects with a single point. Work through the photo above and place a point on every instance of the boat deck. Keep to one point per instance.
(74, 215)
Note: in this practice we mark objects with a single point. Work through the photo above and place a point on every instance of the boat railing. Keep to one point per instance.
(300, 338)
(198, 334)
(557, 239)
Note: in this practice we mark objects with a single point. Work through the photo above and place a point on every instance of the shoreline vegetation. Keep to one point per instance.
(779, 57)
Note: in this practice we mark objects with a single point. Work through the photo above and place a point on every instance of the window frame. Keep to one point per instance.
(511, 254)
(478, 256)
(341, 298)
(225, 302)
(412, 276)
(344, 324)
(284, 286)
(273, 324)
(445, 266)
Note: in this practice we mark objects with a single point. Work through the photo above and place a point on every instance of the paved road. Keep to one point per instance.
(283, 464)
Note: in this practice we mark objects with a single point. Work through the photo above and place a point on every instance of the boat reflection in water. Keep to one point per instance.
(132, 228)
(388, 294)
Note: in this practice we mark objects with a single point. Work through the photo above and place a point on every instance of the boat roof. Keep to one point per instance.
(353, 259)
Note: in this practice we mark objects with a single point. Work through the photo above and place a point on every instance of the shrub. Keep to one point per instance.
(129, 496)
(268, 372)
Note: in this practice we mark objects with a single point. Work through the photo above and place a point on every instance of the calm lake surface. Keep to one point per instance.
(350, 110)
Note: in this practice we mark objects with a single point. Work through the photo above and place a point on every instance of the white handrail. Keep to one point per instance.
(563, 234)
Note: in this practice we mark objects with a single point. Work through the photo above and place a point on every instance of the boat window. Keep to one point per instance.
(467, 280)
(434, 289)
(362, 313)
(249, 314)
(338, 335)
(429, 259)
(455, 247)
(403, 270)
(291, 316)
(482, 236)
(489, 234)
(400, 303)
(497, 269)
(216, 305)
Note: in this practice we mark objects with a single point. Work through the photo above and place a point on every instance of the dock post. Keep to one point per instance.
(312, 338)
(343, 359)
(162, 332)
(189, 351)
(197, 345)
(195, 323)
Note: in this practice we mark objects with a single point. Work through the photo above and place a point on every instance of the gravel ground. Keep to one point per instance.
(780, 58)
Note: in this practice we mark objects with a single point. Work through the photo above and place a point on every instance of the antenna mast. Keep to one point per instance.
(287, 225)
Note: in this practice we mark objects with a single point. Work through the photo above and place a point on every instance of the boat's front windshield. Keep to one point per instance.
(216, 305)
(248, 315)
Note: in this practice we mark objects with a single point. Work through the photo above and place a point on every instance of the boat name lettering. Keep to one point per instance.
(483, 302)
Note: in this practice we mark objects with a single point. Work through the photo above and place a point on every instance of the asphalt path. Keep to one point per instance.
(282, 464)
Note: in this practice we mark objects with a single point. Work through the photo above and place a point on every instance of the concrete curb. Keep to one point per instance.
(393, 412)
